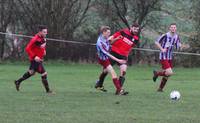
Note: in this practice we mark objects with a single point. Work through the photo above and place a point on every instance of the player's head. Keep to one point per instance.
(105, 31)
(172, 27)
(42, 30)
(135, 28)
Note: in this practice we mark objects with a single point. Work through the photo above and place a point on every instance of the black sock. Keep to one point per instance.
(121, 80)
(24, 77)
(45, 83)
(101, 79)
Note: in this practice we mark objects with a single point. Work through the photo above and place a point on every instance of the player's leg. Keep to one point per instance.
(99, 83)
(45, 82)
(119, 90)
(43, 73)
(123, 69)
(162, 83)
(26, 75)
(169, 72)
(156, 74)
(164, 79)
(167, 66)
(114, 77)
(165, 71)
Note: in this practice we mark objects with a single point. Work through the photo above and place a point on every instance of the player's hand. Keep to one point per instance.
(122, 61)
(37, 59)
(163, 50)
(45, 52)
(119, 37)
(185, 46)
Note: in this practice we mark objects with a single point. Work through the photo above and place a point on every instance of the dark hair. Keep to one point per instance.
(135, 25)
(172, 24)
(103, 29)
(41, 27)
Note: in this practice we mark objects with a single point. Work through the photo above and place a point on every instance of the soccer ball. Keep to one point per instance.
(175, 95)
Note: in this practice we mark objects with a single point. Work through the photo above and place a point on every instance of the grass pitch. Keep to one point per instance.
(76, 100)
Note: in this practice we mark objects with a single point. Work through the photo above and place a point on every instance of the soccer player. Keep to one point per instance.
(103, 47)
(122, 43)
(166, 44)
(36, 50)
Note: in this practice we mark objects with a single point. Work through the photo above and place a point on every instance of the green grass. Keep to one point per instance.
(76, 101)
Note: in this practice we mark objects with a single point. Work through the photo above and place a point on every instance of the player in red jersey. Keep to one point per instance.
(122, 43)
(103, 47)
(36, 50)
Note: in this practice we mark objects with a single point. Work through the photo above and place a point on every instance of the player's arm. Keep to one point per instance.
(30, 52)
(116, 36)
(102, 48)
(29, 48)
(121, 61)
(157, 43)
(112, 39)
(184, 46)
(180, 45)
(160, 47)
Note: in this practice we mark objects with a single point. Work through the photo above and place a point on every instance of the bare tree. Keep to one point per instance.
(195, 36)
(121, 10)
(140, 11)
(137, 10)
(6, 18)
(107, 13)
(61, 16)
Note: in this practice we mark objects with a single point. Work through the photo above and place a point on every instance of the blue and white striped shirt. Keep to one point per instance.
(103, 47)
(167, 41)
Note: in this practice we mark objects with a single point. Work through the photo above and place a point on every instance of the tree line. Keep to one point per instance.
(79, 20)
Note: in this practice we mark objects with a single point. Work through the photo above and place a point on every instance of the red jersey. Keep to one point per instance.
(124, 45)
(36, 47)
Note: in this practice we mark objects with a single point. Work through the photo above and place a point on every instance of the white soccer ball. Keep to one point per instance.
(175, 95)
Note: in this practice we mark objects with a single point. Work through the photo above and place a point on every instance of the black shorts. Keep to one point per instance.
(113, 62)
(37, 67)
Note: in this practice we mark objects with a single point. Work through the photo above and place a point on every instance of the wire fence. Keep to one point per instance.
(85, 43)
(85, 51)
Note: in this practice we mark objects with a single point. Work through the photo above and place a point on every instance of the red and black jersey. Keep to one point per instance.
(36, 47)
(124, 45)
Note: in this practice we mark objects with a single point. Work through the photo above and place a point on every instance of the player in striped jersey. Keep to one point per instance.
(166, 44)
(122, 43)
(103, 47)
